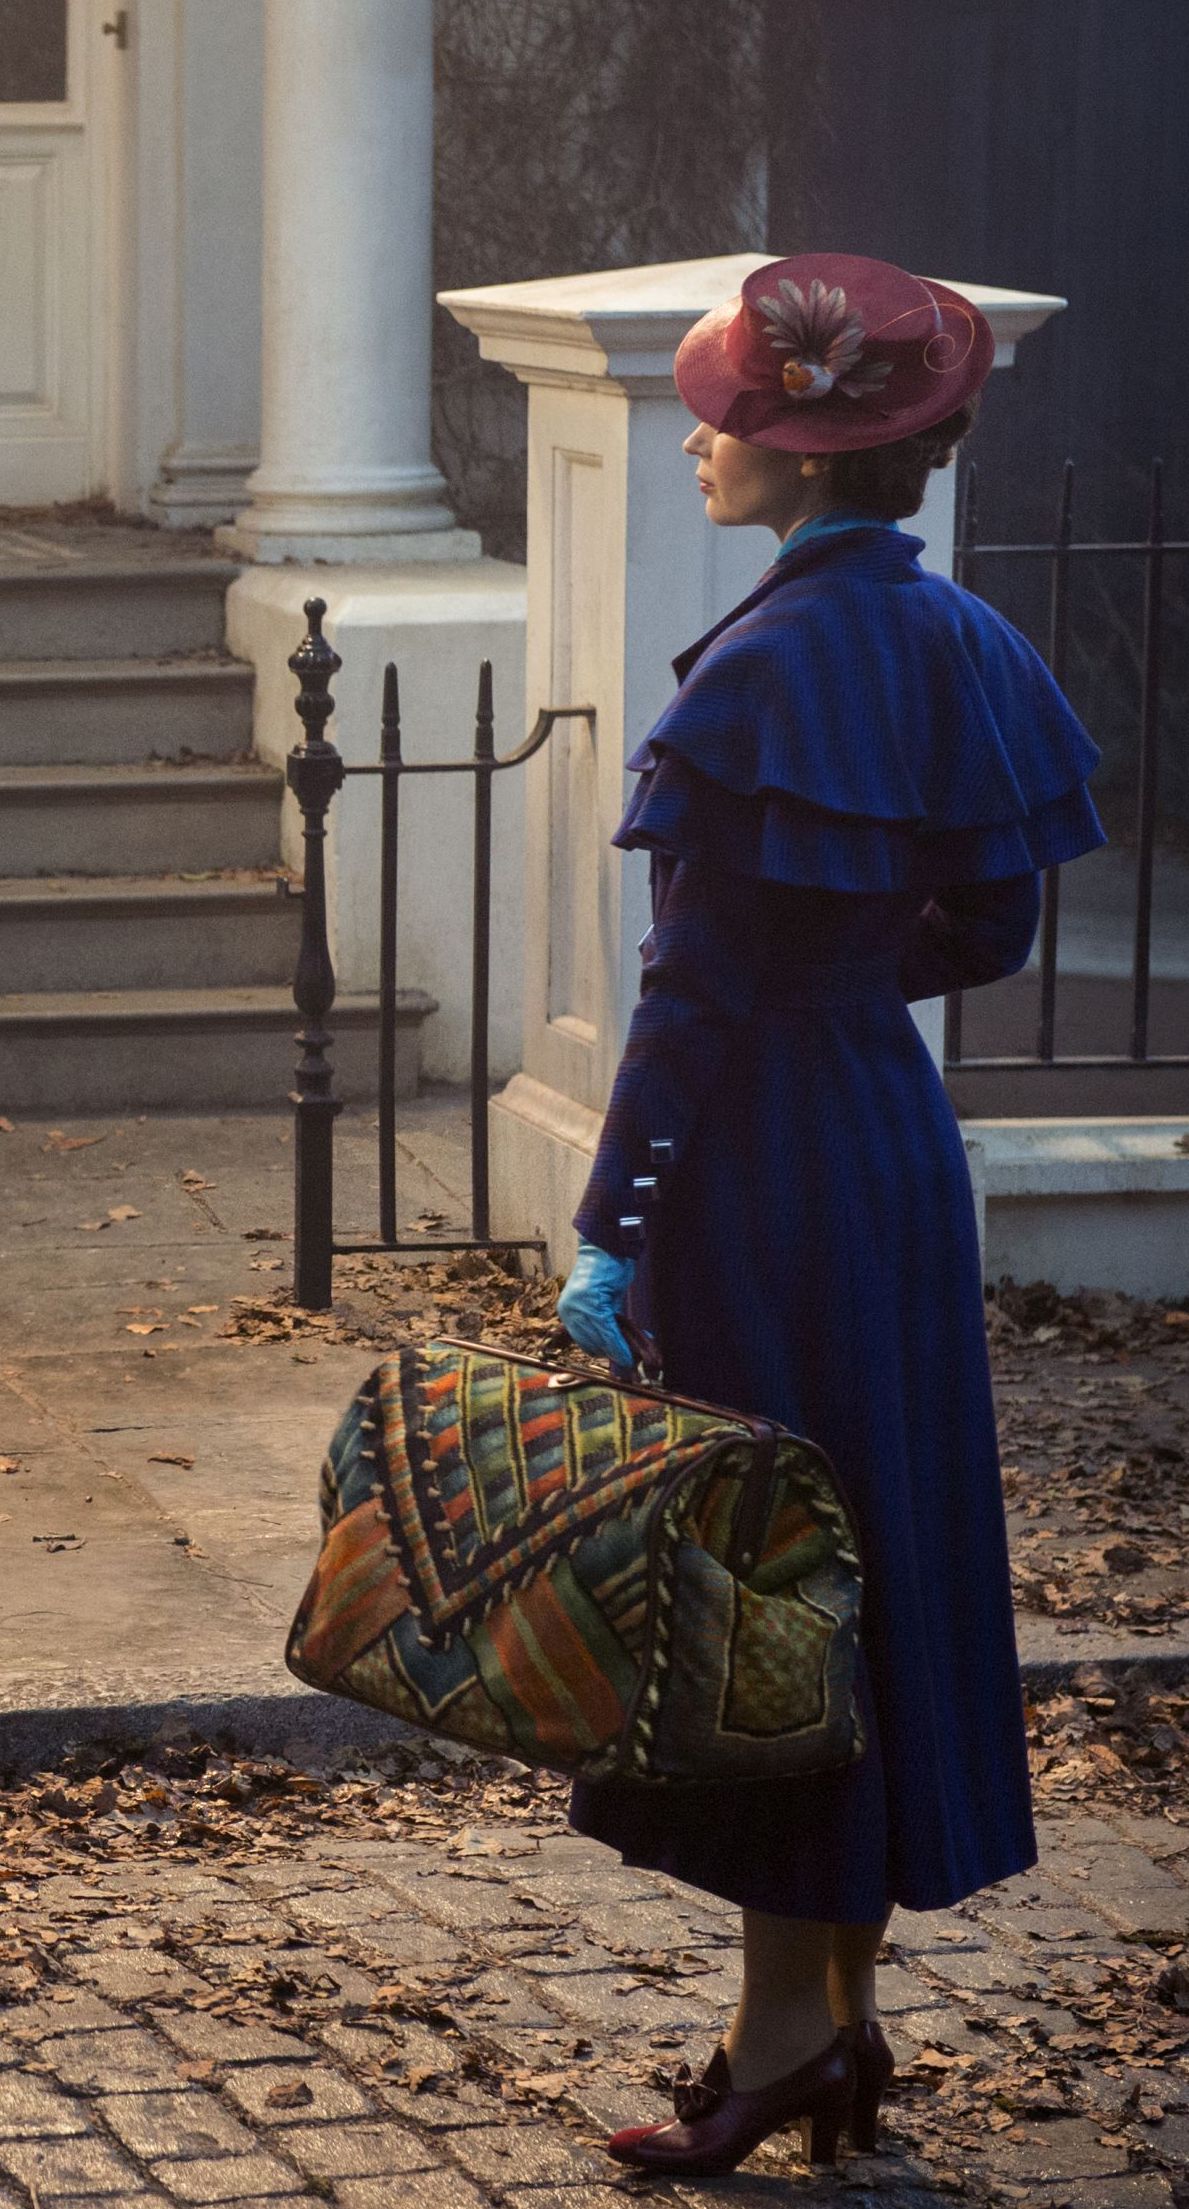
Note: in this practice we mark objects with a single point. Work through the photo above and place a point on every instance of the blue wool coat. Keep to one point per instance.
(848, 803)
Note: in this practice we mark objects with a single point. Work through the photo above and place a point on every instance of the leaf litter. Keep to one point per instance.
(1092, 1395)
(378, 1303)
(1087, 1384)
(1089, 2034)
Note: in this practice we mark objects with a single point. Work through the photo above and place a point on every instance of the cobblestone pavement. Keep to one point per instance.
(410, 1982)
(430, 1991)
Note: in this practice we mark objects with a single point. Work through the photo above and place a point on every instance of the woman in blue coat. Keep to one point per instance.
(848, 802)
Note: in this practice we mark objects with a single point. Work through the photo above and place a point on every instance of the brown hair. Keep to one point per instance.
(890, 480)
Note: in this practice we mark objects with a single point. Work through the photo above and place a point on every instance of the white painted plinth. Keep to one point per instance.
(437, 624)
(1087, 1204)
(623, 571)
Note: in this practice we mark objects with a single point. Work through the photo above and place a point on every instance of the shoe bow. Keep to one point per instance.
(692, 2098)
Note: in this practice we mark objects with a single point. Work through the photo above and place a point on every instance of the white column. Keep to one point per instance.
(622, 572)
(345, 471)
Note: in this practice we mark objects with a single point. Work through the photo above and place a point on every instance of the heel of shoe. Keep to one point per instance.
(864, 2121)
(875, 2068)
(822, 2125)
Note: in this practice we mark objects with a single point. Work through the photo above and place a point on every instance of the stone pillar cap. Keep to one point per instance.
(623, 325)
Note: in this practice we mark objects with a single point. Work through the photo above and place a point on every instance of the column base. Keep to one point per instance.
(542, 1146)
(250, 538)
(201, 485)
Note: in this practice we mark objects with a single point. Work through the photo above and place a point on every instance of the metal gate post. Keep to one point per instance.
(314, 772)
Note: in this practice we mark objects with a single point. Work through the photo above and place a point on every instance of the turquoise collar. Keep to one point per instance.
(831, 524)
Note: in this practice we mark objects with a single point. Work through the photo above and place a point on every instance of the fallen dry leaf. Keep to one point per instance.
(294, 2096)
(10, 1464)
(120, 1212)
(170, 1457)
(6, 1126)
(191, 1179)
(144, 1327)
(1171, 1987)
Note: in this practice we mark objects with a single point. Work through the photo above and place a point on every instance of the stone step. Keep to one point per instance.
(188, 1049)
(137, 820)
(97, 713)
(1085, 1202)
(151, 932)
(92, 609)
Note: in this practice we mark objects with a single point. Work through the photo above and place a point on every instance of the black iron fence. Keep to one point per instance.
(316, 772)
(1060, 554)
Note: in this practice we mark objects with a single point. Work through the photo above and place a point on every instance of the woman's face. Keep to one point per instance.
(755, 484)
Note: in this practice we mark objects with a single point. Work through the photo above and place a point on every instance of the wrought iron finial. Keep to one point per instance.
(390, 714)
(485, 715)
(315, 663)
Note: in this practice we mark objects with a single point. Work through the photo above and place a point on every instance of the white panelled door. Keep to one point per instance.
(51, 395)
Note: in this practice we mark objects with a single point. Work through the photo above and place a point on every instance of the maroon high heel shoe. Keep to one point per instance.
(874, 2069)
(718, 2126)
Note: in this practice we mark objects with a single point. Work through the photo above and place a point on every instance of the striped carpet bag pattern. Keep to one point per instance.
(591, 1575)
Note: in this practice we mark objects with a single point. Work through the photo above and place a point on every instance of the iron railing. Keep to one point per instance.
(315, 772)
(1060, 554)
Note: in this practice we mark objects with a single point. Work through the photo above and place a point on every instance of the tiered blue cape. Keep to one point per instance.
(859, 723)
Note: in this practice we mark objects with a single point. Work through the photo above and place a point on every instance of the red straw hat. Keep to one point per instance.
(829, 352)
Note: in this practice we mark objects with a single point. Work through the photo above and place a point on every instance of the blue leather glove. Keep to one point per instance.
(592, 1300)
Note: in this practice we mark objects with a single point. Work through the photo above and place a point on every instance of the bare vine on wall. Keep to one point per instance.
(576, 135)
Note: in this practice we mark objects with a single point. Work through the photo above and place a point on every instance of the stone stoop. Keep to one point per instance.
(1084, 1203)
(148, 930)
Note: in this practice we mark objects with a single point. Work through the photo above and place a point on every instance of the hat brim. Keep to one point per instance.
(711, 388)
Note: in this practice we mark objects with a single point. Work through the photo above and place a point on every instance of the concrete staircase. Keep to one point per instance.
(148, 932)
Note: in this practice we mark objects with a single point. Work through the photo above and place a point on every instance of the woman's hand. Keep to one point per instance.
(593, 1299)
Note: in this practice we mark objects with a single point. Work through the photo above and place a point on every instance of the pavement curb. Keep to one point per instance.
(35, 1739)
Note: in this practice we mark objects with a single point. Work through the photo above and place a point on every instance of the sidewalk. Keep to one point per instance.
(165, 1430)
(404, 1980)
(163, 1501)
(388, 1972)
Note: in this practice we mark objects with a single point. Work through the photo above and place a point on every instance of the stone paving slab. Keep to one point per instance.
(474, 2027)
(210, 1555)
(485, 2074)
